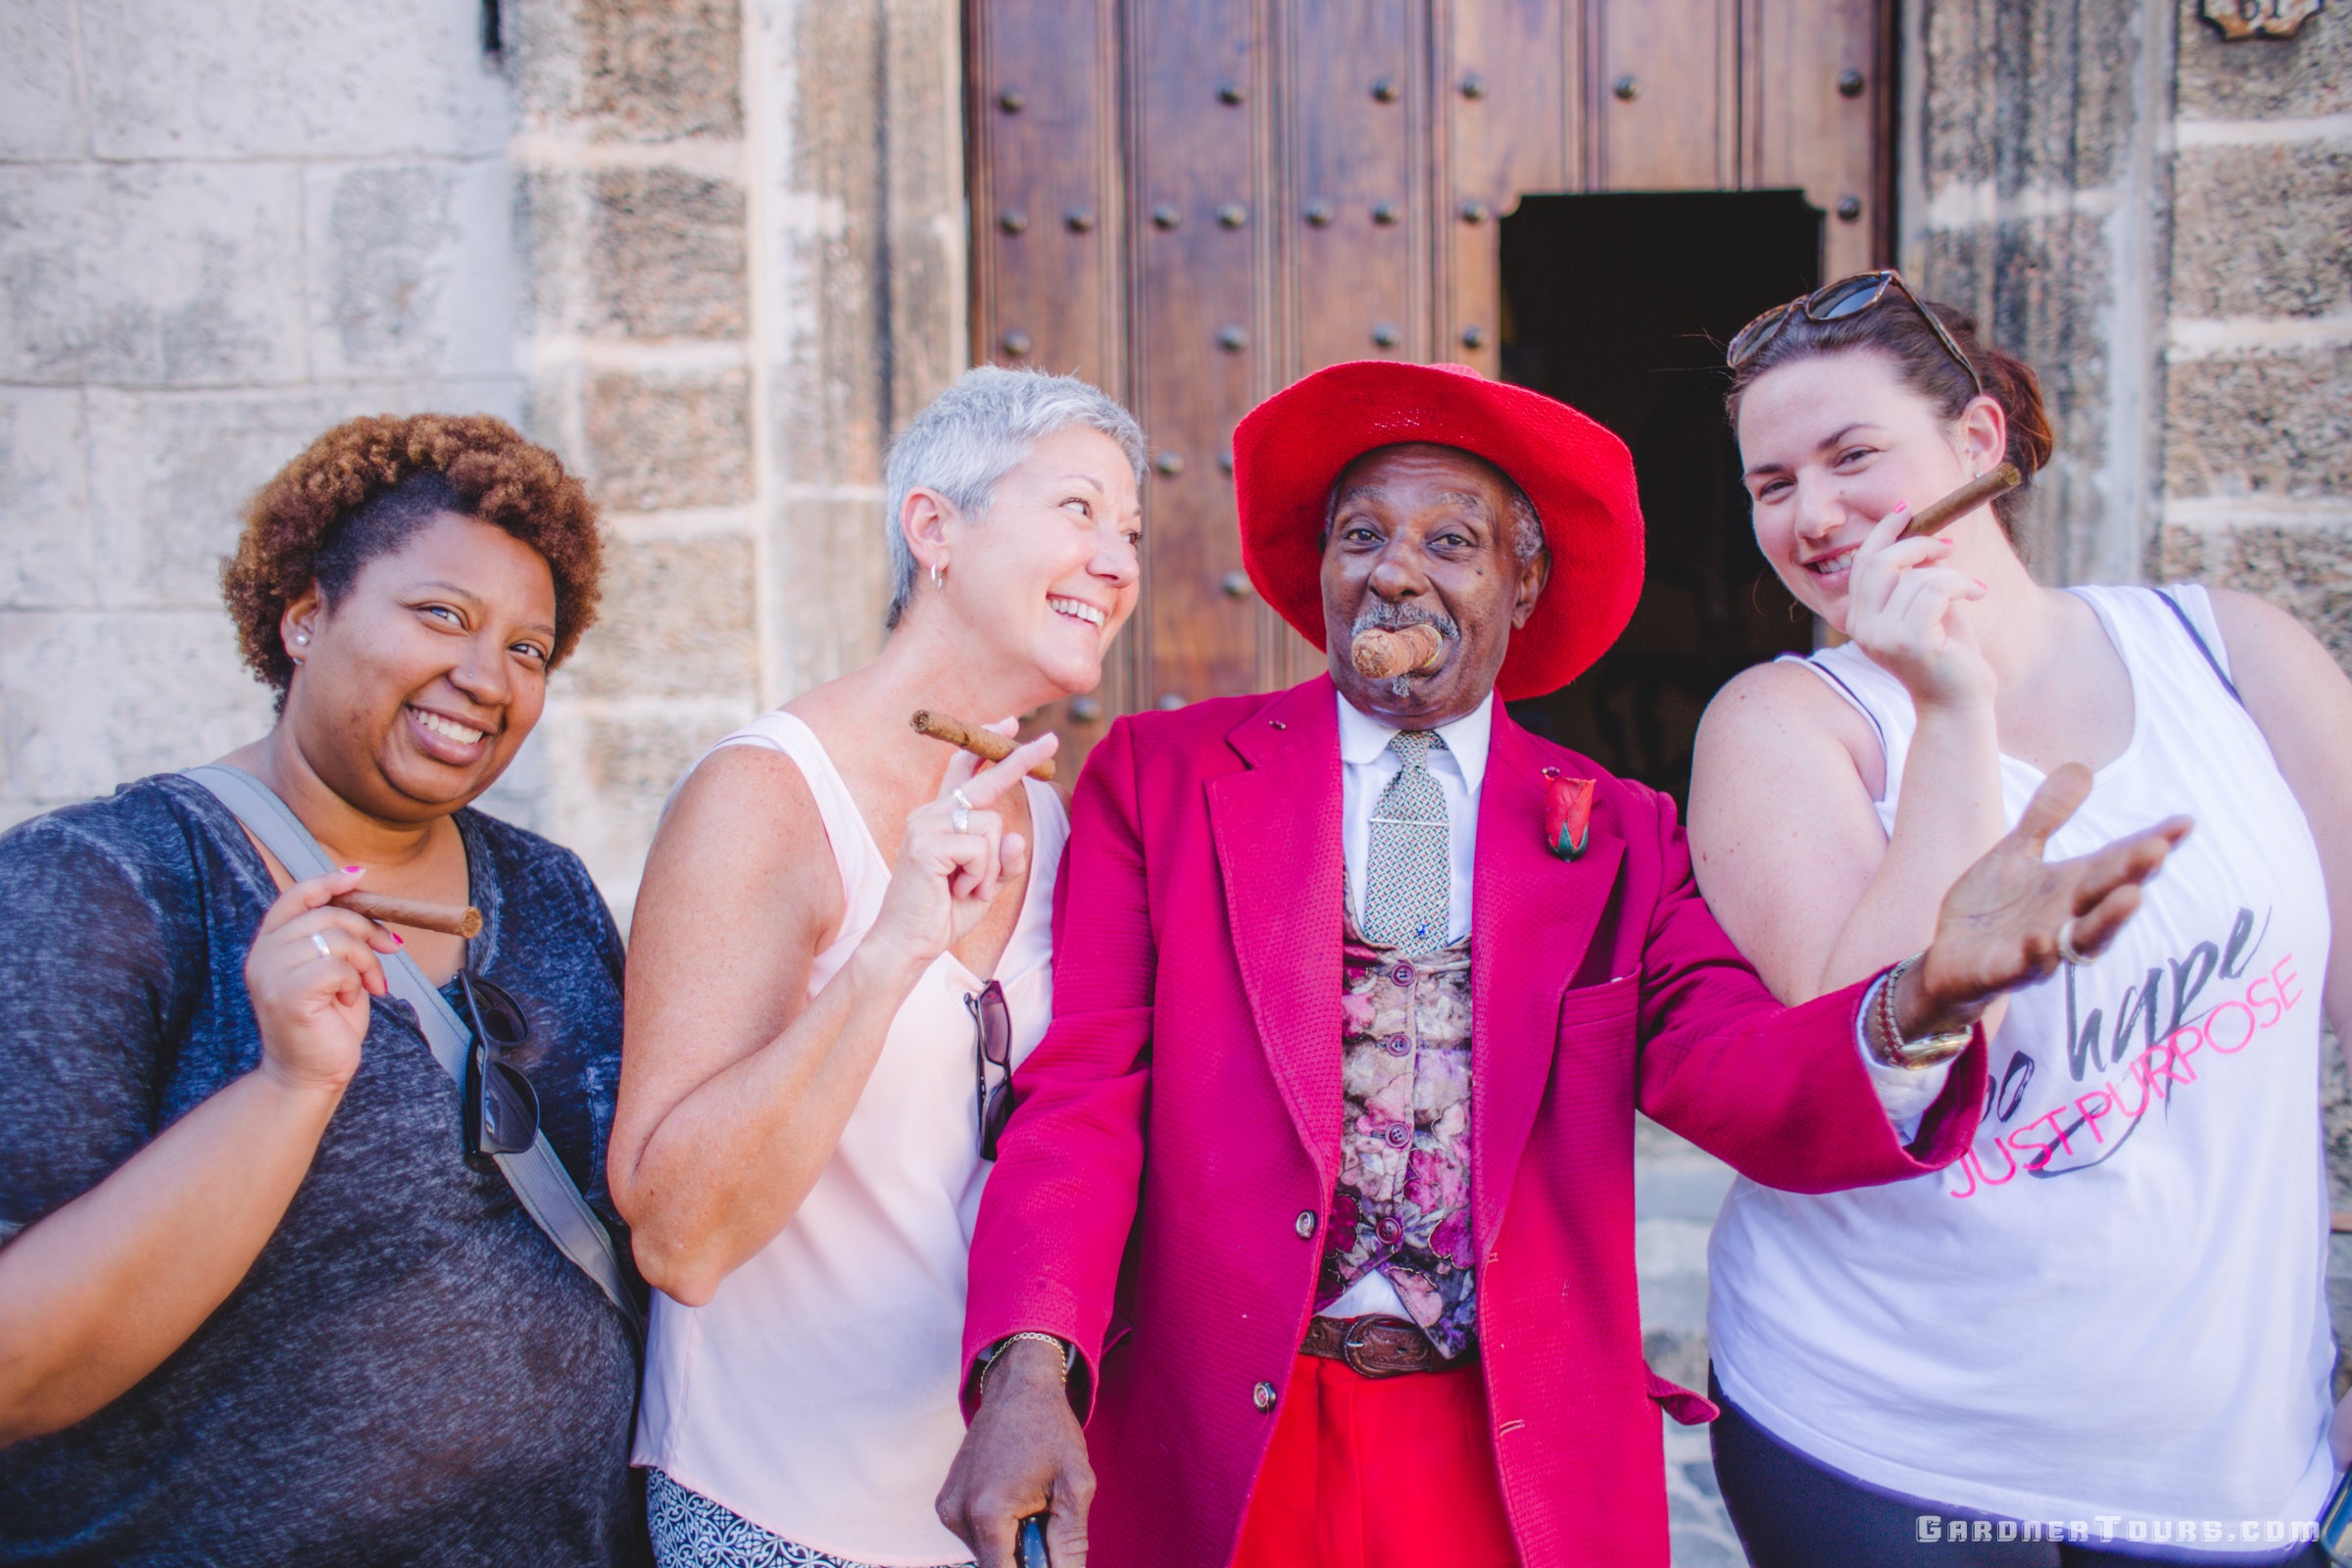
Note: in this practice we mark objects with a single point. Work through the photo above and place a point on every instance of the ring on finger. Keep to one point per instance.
(319, 940)
(2067, 950)
(963, 818)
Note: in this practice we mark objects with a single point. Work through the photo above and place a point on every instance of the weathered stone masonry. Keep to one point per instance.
(215, 241)
(708, 250)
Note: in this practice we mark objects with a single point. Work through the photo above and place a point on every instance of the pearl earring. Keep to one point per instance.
(302, 638)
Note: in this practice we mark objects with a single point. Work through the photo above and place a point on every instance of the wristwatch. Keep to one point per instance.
(1885, 1035)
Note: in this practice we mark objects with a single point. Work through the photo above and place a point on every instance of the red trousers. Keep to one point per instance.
(1379, 1473)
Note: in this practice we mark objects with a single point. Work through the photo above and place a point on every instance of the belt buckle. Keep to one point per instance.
(1356, 1341)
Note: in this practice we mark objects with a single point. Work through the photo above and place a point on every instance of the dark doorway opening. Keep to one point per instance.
(1619, 305)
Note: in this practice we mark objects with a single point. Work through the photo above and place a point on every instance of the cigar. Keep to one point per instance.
(1968, 498)
(1380, 652)
(450, 919)
(985, 744)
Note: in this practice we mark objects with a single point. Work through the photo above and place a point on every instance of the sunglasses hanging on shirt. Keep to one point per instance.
(992, 1046)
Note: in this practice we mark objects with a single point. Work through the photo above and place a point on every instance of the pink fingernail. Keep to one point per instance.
(399, 940)
(1982, 583)
(351, 870)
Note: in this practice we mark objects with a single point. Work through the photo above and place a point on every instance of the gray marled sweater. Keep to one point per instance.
(410, 1373)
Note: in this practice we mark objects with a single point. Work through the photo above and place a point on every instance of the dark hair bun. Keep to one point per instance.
(2011, 382)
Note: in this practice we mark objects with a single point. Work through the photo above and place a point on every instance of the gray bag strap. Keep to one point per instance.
(537, 1175)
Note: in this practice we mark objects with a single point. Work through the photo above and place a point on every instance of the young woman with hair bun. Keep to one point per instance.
(2103, 1335)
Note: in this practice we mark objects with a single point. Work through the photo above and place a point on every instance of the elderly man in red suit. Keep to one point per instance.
(1318, 1205)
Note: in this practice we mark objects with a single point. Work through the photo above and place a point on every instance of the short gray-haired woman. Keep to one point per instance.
(818, 1031)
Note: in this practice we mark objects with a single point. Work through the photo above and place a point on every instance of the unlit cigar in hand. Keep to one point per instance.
(1968, 498)
(985, 744)
(450, 919)
(1382, 652)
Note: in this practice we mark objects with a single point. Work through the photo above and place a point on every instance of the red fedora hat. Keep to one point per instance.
(1290, 448)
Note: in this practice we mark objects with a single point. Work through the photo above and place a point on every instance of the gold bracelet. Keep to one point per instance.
(1068, 1354)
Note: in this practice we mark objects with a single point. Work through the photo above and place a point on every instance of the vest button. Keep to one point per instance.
(1398, 1135)
(1262, 1396)
(1390, 1229)
(1403, 974)
(1306, 1223)
(1397, 1045)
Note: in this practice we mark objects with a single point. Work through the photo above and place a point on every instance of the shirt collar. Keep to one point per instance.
(1362, 738)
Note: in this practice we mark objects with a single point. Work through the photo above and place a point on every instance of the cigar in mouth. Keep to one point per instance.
(450, 919)
(1937, 514)
(1381, 653)
(985, 744)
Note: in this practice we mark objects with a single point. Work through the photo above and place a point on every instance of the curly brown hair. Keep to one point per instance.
(475, 464)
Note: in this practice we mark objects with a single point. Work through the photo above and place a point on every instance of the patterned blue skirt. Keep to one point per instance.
(690, 1531)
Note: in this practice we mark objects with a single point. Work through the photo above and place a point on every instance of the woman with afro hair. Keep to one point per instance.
(267, 1292)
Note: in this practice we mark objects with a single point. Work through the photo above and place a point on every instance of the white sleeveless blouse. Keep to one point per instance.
(2114, 1304)
(815, 1395)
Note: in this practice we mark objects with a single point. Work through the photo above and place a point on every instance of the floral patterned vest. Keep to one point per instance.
(1401, 1206)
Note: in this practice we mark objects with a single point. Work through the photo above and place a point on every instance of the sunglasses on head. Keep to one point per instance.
(992, 1046)
(1835, 302)
(501, 1109)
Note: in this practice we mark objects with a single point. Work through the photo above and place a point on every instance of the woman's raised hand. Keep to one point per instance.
(310, 972)
(1899, 600)
(955, 855)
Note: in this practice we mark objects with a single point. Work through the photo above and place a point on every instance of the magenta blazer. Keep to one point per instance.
(1163, 1187)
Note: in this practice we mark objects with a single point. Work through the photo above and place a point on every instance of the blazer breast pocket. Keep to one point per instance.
(1598, 1038)
(1607, 1011)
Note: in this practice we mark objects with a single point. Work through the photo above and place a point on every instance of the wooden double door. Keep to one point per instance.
(1193, 203)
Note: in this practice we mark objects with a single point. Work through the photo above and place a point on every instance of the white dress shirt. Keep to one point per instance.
(1367, 767)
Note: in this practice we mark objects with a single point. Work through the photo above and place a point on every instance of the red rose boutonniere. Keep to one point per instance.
(1567, 814)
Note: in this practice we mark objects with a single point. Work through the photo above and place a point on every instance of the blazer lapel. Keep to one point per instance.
(1277, 831)
(1531, 916)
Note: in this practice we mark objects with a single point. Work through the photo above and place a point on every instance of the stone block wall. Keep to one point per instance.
(2160, 221)
(740, 231)
(2034, 189)
(2257, 417)
(216, 240)
(711, 251)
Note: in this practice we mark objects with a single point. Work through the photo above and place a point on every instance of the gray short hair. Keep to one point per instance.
(973, 434)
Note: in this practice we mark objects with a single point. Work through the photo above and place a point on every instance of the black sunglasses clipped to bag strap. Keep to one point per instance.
(502, 1108)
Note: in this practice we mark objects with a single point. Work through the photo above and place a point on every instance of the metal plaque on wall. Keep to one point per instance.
(2260, 18)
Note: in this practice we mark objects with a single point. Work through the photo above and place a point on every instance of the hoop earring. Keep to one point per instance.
(939, 574)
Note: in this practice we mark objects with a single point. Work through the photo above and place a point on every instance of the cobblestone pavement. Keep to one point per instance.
(1702, 1530)
(1677, 1190)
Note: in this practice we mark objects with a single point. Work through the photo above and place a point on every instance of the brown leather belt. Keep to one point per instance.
(1377, 1346)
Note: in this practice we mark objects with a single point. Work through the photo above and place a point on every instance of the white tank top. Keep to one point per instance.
(2114, 1304)
(815, 1395)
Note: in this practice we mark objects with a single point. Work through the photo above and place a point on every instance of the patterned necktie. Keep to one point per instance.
(1408, 877)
